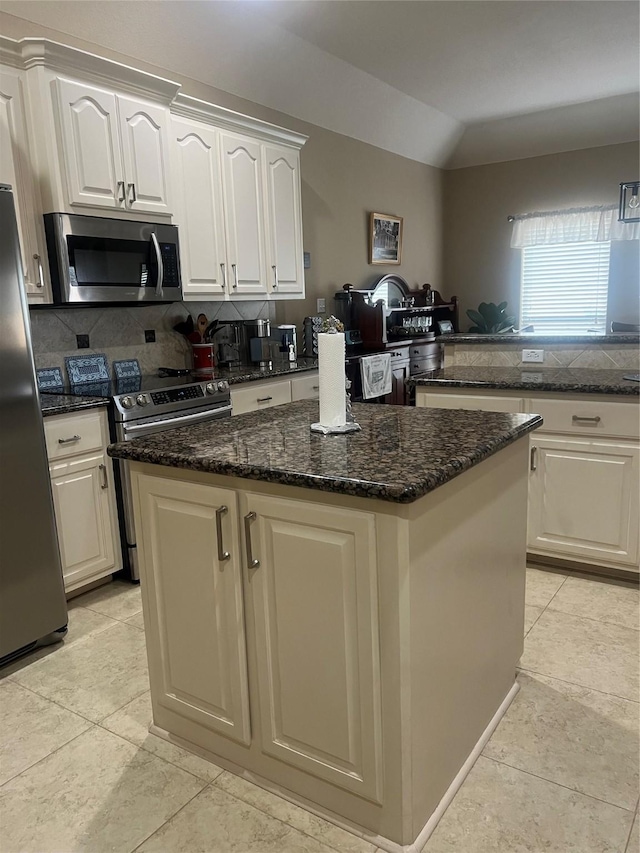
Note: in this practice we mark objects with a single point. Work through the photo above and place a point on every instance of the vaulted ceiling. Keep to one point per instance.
(447, 82)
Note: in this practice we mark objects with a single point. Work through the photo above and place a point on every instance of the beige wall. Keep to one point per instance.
(342, 181)
(478, 261)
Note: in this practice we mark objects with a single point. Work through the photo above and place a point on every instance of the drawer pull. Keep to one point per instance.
(263, 399)
(583, 418)
(222, 554)
(534, 458)
(105, 481)
(251, 562)
(315, 387)
(69, 440)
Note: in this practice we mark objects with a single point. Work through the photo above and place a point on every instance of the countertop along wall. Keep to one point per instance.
(479, 263)
(342, 181)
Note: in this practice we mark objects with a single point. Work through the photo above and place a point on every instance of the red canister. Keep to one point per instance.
(203, 357)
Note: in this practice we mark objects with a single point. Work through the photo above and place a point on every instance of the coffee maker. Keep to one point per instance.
(248, 342)
(285, 343)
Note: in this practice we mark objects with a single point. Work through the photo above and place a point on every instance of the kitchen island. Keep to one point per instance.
(336, 618)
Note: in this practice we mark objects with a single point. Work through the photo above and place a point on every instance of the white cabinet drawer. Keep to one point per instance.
(479, 402)
(589, 417)
(67, 435)
(256, 396)
(305, 387)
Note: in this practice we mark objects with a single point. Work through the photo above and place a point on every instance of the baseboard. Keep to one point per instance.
(377, 840)
(575, 567)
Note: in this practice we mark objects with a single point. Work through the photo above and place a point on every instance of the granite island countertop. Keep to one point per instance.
(576, 380)
(400, 454)
(62, 404)
(531, 338)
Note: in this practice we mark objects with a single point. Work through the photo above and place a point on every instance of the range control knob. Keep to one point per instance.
(223, 386)
(142, 400)
(210, 388)
(126, 402)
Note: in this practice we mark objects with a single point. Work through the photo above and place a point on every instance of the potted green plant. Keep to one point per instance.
(491, 319)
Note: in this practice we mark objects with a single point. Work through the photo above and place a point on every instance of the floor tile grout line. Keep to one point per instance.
(116, 710)
(577, 684)
(559, 784)
(286, 823)
(170, 818)
(635, 817)
(56, 702)
(590, 618)
(45, 757)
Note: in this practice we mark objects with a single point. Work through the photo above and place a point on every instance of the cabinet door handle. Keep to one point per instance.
(222, 554)
(40, 280)
(315, 387)
(69, 440)
(251, 562)
(234, 267)
(132, 193)
(121, 193)
(578, 418)
(263, 399)
(534, 458)
(105, 481)
(224, 276)
(275, 276)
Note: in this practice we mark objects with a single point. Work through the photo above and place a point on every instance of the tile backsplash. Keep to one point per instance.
(119, 333)
(593, 356)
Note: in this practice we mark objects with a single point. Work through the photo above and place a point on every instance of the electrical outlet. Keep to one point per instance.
(82, 341)
(321, 306)
(150, 336)
(532, 355)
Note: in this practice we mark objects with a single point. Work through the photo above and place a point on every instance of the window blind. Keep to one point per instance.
(564, 288)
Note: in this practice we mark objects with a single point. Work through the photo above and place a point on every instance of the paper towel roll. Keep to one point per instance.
(331, 355)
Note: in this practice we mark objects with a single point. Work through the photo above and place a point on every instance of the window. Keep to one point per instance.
(564, 287)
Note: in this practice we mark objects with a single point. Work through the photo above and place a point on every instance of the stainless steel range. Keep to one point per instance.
(144, 405)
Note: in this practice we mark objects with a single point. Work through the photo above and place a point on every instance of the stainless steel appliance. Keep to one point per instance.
(286, 342)
(260, 347)
(33, 608)
(98, 260)
(144, 405)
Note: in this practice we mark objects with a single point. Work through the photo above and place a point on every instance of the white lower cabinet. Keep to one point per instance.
(263, 394)
(583, 499)
(83, 497)
(307, 576)
(479, 402)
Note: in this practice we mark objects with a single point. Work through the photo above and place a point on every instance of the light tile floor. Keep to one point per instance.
(79, 770)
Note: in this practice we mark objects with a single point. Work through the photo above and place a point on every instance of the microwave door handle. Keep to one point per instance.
(156, 247)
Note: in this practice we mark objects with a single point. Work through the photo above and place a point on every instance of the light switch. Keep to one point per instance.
(321, 306)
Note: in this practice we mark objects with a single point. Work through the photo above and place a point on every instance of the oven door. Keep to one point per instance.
(137, 429)
(99, 260)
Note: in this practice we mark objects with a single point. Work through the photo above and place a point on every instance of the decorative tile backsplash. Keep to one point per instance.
(119, 333)
(595, 356)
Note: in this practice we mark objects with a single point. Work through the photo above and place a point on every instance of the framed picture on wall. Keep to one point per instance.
(385, 239)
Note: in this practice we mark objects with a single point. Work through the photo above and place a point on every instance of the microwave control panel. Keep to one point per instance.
(169, 252)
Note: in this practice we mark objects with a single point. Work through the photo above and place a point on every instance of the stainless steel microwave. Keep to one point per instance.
(98, 260)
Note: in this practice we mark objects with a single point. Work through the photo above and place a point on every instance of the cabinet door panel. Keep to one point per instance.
(143, 128)
(196, 612)
(90, 145)
(16, 170)
(583, 500)
(478, 402)
(315, 609)
(83, 517)
(284, 220)
(243, 200)
(198, 209)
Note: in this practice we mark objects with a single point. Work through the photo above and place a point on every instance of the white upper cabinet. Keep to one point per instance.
(198, 209)
(114, 149)
(284, 220)
(90, 150)
(145, 149)
(16, 170)
(243, 214)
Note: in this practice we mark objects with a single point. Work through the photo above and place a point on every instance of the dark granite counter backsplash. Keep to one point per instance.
(541, 340)
(62, 404)
(400, 454)
(568, 379)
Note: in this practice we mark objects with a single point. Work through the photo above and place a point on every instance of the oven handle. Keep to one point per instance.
(173, 422)
(156, 247)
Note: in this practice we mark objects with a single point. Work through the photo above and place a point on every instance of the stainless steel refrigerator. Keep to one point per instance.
(33, 608)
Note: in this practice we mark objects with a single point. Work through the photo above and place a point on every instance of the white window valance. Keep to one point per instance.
(575, 225)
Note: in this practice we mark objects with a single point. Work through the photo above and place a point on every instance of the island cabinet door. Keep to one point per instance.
(583, 499)
(313, 589)
(195, 619)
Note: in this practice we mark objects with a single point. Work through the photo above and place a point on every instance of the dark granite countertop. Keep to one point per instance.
(400, 454)
(251, 372)
(62, 404)
(613, 338)
(577, 380)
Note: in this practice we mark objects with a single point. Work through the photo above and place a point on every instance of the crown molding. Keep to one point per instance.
(10, 53)
(186, 106)
(39, 52)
